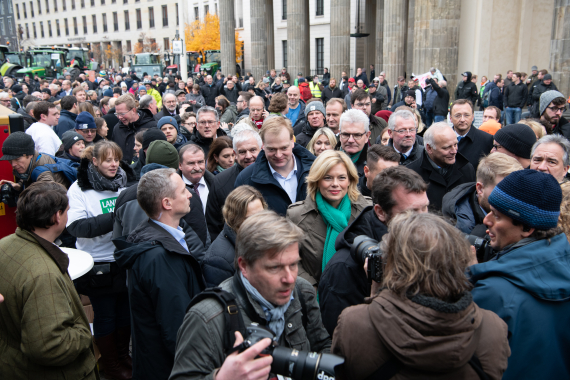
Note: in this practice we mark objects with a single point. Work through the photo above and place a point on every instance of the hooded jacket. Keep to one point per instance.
(203, 142)
(467, 90)
(229, 115)
(259, 176)
(344, 282)
(218, 264)
(461, 205)
(431, 338)
(66, 123)
(162, 280)
(529, 288)
(124, 135)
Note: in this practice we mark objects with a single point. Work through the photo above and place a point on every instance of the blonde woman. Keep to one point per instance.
(241, 203)
(333, 201)
(323, 139)
(538, 128)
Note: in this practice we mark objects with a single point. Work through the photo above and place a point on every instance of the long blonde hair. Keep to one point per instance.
(325, 162)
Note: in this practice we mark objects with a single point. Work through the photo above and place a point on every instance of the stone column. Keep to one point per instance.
(379, 37)
(298, 39)
(227, 36)
(410, 39)
(258, 38)
(395, 31)
(370, 44)
(560, 47)
(270, 35)
(436, 39)
(340, 39)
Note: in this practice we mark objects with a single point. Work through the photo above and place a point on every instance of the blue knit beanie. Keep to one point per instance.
(168, 120)
(530, 197)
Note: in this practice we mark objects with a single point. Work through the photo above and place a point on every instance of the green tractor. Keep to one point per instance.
(77, 59)
(213, 62)
(10, 62)
(149, 63)
(46, 63)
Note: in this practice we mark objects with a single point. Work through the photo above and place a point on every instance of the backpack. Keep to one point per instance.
(64, 166)
(486, 98)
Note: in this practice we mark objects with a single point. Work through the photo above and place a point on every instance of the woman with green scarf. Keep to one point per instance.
(221, 155)
(333, 201)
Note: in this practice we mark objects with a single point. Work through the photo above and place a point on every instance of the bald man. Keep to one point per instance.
(296, 108)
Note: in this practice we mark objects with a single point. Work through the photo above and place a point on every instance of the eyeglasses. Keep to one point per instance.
(256, 109)
(460, 116)
(207, 122)
(406, 131)
(356, 136)
(497, 146)
(362, 104)
(123, 114)
(190, 124)
(557, 109)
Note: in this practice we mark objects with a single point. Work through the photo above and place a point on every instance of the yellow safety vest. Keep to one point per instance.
(315, 90)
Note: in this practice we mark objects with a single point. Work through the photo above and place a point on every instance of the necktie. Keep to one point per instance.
(195, 188)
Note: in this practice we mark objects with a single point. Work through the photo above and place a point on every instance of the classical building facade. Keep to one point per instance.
(8, 33)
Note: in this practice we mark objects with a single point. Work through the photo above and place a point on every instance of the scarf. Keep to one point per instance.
(355, 157)
(220, 169)
(275, 315)
(101, 183)
(336, 220)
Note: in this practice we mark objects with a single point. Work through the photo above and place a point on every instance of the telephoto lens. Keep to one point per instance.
(303, 365)
(363, 246)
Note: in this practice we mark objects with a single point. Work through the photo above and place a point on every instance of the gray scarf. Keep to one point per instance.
(275, 315)
(101, 183)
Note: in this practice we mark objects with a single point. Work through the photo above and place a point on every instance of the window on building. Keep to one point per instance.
(127, 21)
(57, 30)
(129, 47)
(9, 22)
(42, 29)
(10, 6)
(150, 17)
(66, 27)
(92, 3)
(2, 30)
(216, 8)
(139, 19)
(284, 10)
(75, 26)
(82, 3)
(63, 5)
(94, 18)
(104, 23)
(72, 4)
(177, 18)
(18, 11)
(54, 6)
(25, 13)
(196, 12)
(164, 15)
(320, 7)
(320, 55)
(31, 9)
(284, 47)
(115, 22)
(49, 28)
(206, 10)
(27, 32)
(84, 24)
(39, 7)
(166, 44)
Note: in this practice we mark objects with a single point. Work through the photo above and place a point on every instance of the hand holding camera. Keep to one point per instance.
(246, 364)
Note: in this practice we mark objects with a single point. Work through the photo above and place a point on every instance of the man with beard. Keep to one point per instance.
(332, 91)
(247, 145)
(552, 106)
(170, 108)
(539, 88)
(296, 108)
(467, 204)
(192, 169)
(315, 115)
(207, 129)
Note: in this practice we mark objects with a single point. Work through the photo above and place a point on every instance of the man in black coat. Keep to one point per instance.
(467, 89)
(163, 276)
(441, 102)
(315, 115)
(473, 143)
(207, 129)
(247, 145)
(210, 91)
(131, 121)
(169, 108)
(344, 282)
(403, 136)
(441, 165)
(515, 98)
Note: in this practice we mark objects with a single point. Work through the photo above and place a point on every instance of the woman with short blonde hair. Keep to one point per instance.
(333, 201)
(537, 128)
(323, 139)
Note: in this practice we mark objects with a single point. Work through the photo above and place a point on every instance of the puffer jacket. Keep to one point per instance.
(39, 160)
(204, 324)
(305, 215)
(218, 265)
(430, 337)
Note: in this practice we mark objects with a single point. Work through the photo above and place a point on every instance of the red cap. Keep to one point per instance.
(351, 80)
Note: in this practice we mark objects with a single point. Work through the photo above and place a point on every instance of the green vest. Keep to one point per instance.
(315, 90)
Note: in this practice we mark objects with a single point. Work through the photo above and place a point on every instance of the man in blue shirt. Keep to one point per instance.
(163, 275)
(296, 108)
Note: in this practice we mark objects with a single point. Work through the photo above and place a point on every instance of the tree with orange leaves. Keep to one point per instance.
(205, 35)
(145, 44)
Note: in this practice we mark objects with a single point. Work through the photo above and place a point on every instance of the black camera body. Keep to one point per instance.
(481, 246)
(288, 362)
(365, 247)
(8, 195)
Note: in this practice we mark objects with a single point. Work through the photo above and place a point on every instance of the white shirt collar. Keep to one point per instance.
(188, 182)
(273, 171)
(404, 153)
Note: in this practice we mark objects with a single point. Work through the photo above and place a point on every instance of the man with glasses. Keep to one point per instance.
(473, 143)
(354, 135)
(515, 140)
(207, 129)
(242, 105)
(403, 129)
(131, 121)
(361, 100)
(5, 99)
(170, 108)
(551, 108)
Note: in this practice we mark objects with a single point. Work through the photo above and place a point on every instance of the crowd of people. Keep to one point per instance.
(218, 197)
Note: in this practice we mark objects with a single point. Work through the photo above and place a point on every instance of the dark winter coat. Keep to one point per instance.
(516, 95)
(259, 176)
(399, 94)
(164, 112)
(363, 77)
(203, 142)
(210, 92)
(111, 121)
(28, 120)
(461, 204)
(378, 104)
(536, 91)
(17, 100)
(66, 123)
(496, 97)
(218, 264)
(467, 90)
(124, 135)
(232, 95)
(460, 172)
(474, 145)
(162, 280)
(306, 134)
(329, 93)
(562, 128)
(417, 151)
(223, 185)
(441, 101)
(344, 282)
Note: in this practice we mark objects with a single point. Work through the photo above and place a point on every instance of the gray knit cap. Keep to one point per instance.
(315, 106)
(547, 97)
(16, 145)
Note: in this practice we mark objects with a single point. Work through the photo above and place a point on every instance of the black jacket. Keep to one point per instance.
(460, 172)
(461, 205)
(28, 120)
(223, 185)
(231, 95)
(516, 95)
(416, 153)
(210, 92)
(124, 135)
(441, 102)
(399, 96)
(111, 121)
(377, 105)
(474, 145)
(306, 134)
(162, 280)
(218, 265)
(536, 91)
(467, 90)
(364, 190)
(344, 282)
(259, 176)
(203, 142)
(329, 93)
(562, 128)
(164, 112)
(361, 162)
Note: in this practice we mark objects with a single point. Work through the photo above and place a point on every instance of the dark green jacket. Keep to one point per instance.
(200, 345)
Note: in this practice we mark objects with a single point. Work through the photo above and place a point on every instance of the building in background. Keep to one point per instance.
(8, 33)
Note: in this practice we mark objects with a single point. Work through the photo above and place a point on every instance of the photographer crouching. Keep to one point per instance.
(423, 323)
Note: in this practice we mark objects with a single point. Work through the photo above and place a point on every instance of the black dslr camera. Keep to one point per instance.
(8, 195)
(365, 247)
(288, 362)
(481, 246)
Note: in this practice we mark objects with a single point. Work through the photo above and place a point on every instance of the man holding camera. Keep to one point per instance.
(527, 283)
(267, 291)
(344, 281)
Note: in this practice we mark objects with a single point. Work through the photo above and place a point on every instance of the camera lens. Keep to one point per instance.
(303, 365)
(362, 246)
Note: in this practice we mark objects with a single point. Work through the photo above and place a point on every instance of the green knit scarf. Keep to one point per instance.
(355, 157)
(336, 220)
